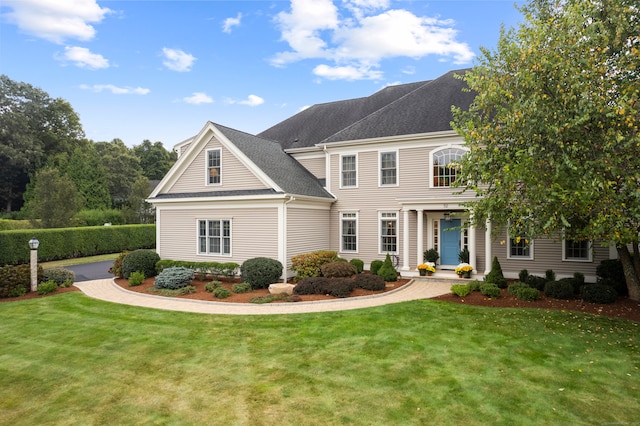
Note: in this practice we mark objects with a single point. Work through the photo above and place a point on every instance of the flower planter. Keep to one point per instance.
(429, 273)
(466, 274)
(423, 272)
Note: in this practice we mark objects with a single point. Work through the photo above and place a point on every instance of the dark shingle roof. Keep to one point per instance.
(405, 109)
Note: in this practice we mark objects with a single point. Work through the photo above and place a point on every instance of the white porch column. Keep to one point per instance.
(472, 244)
(488, 255)
(420, 242)
(405, 240)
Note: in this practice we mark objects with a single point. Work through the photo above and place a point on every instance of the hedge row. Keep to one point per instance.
(66, 243)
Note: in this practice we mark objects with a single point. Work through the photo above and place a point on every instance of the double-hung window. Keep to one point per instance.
(349, 232)
(348, 171)
(520, 248)
(388, 232)
(388, 168)
(214, 237)
(576, 251)
(214, 166)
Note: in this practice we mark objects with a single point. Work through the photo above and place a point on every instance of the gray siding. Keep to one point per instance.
(315, 165)
(307, 231)
(235, 175)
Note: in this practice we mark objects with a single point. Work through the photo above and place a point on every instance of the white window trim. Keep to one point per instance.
(390, 185)
(397, 219)
(206, 167)
(589, 258)
(431, 155)
(341, 164)
(531, 249)
(206, 253)
(356, 218)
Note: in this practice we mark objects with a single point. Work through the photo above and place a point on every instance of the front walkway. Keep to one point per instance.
(418, 288)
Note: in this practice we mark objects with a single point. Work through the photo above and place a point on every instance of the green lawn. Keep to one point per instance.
(68, 359)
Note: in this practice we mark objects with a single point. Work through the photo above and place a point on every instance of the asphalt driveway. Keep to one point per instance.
(92, 271)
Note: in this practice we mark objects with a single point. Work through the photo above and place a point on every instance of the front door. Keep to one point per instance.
(449, 241)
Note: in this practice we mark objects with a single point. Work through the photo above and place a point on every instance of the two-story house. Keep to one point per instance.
(364, 177)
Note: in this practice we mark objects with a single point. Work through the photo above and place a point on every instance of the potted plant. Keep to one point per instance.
(426, 269)
(431, 255)
(463, 256)
(464, 270)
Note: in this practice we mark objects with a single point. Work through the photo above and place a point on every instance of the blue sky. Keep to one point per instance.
(159, 69)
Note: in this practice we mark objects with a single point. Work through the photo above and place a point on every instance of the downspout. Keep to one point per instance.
(284, 238)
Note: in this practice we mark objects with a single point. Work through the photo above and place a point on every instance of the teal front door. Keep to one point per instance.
(449, 241)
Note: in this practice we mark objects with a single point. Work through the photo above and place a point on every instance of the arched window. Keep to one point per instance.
(443, 172)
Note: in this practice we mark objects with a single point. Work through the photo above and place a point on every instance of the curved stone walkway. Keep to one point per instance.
(108, 291)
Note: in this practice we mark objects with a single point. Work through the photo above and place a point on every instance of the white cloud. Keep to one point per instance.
(252, 100)
(229, 23)
(198, 98)
(363, 34)
(57, 20)
(83, 58)
(177, 60)
(115, 89)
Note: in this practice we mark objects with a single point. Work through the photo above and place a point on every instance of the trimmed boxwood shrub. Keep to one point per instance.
(241, 288)
(16, 280)
(341, 287)
(527, 293)
(559, 289)
(47, 287)
(515, 287)
(460, 290)
(474, 285)
(610, 272)
(221, 293)
(599, 293)
(142, 260)
(338, 269)
(387, 271)
(260, 272)
(336, 287)
(62, 277)
(490, 290)
(536, 282)
(523, 275)
(375, 266)
(496, 276)
(359, 264)
(174, 278)
(136, 278)
(370, 282)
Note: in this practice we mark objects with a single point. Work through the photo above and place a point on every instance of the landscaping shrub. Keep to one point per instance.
(241, 288)
(431, 255)
(387, 271)
(136, 278)
(174, 278)
(359, 264)
(201, 269)
(341, 287)
(549, 275)
(142, 260)
(370, 282)
(260, 272)
(474, 285)
(527, 293)
(495, 276)
(559, 289)
(460, 290)
(375, 266)
(336, 287)
(309, 264)
(490, 290)
(523, 275)
(16, 280)
(47, 287)
(536, 282)
(62, 277)
(610, 272)
(599, 293)
(576, 283)
(221, 293)
(116, 268)
(338, 270)
(515, 287)
(209, 287)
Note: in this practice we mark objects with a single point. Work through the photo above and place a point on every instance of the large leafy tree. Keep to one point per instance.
(553, 131)
(122, 169)
(155, 160)
(55, 199)
(33, 126)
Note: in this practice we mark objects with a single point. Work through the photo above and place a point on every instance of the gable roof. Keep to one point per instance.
(413, 108)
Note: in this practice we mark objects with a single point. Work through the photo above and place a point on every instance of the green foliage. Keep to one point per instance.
(260, 272)
(599, 293)
(137, 210)
(282, 297)
(474, 285)
(98, 217)
(16, 280)
(143, 260)
(136, 278)
(155, 160)
(559, 289)
(61, 276)
(55, 199)
(610, 272)
(122, 169)
(387, 271)
(490, 290)
(549, 275)
(241, 288)
(375, 266)
(370, 282)
(221, 293)
(460, 290)
(210, 287)
(116, 268)
(309, 264)
(47, 287)
(84, 167)
(188, 289)
(431, 255)
(528, 294)
(515, 287)
(463, 256)
(10, 224)
(338, 270)
(214, 269)
(496, 276)
(173, 278)
(336, 287)
(536, 282)
(359, 264)
(523, 275)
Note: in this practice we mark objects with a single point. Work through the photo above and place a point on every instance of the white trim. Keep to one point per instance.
(397, 220)
(207, 236)
(531, 247)
(431, 155)
(341, 233)
(397, 158)
(340, 165)
(206, 167)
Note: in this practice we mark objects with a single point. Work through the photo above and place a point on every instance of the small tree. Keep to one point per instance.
(55, 199)
(495, 276)
(387, 271)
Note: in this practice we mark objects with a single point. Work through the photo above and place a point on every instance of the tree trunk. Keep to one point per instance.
(630, 272)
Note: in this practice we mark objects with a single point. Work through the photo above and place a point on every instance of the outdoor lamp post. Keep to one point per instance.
(33, 245)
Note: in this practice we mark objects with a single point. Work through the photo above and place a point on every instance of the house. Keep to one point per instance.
(364, 177)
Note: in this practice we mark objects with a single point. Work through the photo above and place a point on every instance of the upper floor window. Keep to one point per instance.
(214, 237)
(444, 174)
(214, 166)
(388, 232)
(349, 232)
(577, 251)
(388, 168)
(520, 248)
(348, 171)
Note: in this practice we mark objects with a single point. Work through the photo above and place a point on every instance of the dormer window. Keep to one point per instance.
(214, 166)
